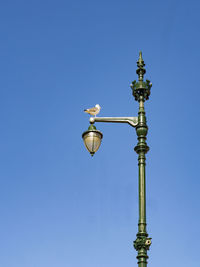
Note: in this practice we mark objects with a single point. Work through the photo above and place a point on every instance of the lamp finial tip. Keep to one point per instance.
(141, 70)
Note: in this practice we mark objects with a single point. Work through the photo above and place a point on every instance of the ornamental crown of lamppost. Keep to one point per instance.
(141, 88)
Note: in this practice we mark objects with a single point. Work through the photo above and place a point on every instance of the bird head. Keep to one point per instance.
(98, 106)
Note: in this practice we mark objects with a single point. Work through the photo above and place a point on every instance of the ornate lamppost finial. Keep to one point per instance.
(141, 70)
(141, 88)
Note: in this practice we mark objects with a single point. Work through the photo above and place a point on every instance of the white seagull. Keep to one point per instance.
(93, 111)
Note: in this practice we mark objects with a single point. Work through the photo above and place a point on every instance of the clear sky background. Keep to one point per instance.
(60, 207)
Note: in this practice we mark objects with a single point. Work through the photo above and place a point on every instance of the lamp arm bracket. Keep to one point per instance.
(133, 121)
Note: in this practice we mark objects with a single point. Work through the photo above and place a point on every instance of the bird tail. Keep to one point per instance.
(85, 110)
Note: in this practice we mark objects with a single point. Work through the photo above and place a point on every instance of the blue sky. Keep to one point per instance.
(59, 206)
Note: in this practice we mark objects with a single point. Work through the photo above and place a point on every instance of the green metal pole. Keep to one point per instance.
(141, 92)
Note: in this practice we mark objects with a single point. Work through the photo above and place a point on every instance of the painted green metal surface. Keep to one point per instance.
(141, 88)
(141, 92)
(133, 121)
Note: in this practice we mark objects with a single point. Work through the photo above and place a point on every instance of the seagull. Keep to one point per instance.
(93, 111)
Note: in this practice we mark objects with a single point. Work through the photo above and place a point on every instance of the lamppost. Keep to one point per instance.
(92, 140)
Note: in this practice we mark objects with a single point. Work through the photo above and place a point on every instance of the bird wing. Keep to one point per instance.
(92, 109)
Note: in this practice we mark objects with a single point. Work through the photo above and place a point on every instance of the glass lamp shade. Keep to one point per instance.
(92, 139)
